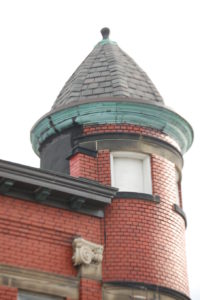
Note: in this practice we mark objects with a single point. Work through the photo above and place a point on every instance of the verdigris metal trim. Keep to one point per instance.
(38, 281)
(54, 189)
(179, 210)
(142, 196)
(149, 115)
(112, 285)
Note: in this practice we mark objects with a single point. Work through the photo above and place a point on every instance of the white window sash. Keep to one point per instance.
(146, 168)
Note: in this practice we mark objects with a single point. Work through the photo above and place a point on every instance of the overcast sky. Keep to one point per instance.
(42, 42)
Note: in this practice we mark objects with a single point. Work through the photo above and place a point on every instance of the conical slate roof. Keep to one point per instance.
(110, 88)
(107, 72)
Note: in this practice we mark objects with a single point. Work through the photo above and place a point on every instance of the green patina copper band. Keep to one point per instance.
(148, 115)
(107, 41)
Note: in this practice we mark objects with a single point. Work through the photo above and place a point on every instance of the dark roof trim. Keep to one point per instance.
(82, 150)
(54, 189)
(144, 286)
(179, 210)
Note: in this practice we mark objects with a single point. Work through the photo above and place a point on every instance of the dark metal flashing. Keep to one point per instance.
(133, 195)
(144, 286)
(179, 210)
(54, 189)
(86, 151)
(74, 130)
(54, 150)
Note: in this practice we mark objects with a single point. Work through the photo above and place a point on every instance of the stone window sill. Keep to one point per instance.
(142, 196)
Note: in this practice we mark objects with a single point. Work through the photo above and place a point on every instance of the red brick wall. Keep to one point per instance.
(84, 166)
(104, 167)
(145, 241)
(40, 237)
(90, 289)
(7, 293)
(94, 168)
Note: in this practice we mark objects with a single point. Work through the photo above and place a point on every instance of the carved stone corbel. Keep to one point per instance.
(88, 256)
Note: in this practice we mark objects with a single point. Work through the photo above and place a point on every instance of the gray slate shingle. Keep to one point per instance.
(108, 72)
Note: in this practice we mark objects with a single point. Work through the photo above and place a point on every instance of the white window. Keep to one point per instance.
(35, 296)
(131, 172)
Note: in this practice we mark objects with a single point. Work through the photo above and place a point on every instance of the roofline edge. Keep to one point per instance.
(114, 112)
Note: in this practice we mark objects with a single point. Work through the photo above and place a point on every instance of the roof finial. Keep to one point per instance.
(105, 33)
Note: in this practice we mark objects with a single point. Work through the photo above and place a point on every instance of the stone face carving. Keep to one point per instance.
(86, 252)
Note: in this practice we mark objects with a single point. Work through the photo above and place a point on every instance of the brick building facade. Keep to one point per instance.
(102, 218)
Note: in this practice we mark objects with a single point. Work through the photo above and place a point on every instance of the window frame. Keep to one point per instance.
(29, 295)
(146, 169)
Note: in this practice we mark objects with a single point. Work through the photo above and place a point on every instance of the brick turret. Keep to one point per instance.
(104, 215)
(144, 236)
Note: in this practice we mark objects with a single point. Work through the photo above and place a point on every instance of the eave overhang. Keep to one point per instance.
(116, 111)
(54, 189)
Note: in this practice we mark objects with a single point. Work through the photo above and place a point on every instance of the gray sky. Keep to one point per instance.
(42, 42)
